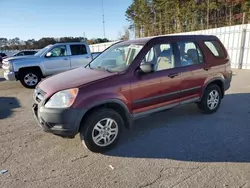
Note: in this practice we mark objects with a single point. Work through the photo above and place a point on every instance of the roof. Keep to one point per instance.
(60, 43)
(138, 40)
(146, 39)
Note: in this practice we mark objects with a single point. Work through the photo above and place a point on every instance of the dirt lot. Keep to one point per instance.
(177, 148)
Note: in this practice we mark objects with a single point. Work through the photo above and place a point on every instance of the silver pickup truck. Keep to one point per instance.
(50, 60)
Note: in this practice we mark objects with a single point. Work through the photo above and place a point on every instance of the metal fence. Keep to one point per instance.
(93, 48)
(100, 47)
(236, 39)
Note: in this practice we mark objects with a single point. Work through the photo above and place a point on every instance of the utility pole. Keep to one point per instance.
(208, 4)
(103, 20)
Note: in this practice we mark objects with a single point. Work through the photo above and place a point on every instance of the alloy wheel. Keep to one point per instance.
(105, 132)
(30, 79)
(213, 99)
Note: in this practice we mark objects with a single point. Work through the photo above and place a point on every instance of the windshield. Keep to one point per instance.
(40, 52)
(15, 54)
(117, 58)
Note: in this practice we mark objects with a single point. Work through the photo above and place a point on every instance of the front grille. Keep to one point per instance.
(39, 95)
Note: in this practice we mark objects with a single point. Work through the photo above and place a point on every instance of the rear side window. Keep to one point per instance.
(215, 48)
(78, 49)
(29, 53)
(190, 53)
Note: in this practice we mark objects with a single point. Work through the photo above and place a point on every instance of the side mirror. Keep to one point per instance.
(49, 54)
(146, 68)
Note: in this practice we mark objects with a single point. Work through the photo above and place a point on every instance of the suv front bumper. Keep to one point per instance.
(10, 76)
(61, 122)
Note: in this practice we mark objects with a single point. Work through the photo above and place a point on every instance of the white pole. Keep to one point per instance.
(103, 21)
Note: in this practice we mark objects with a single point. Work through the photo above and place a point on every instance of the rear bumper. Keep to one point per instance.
(227, 82)
(227, 86)
(61, 122)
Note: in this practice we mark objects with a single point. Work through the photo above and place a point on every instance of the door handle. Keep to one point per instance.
(87, 57)
(65, 58)
(207, 68)
(173, 75)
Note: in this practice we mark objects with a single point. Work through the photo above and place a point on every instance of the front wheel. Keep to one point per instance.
(211, 99)
(30, 78)
(102, 130)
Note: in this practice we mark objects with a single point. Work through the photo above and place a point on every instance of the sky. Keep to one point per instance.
(29, 19)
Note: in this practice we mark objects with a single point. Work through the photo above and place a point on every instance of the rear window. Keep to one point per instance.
(78, 49)
(215, 48)
(29, 53)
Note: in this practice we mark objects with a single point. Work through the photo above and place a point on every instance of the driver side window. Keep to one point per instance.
(59, 51)
(161, 57)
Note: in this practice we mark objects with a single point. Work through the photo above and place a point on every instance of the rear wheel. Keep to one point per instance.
(29, 78)
(211, 99)
(102, 130)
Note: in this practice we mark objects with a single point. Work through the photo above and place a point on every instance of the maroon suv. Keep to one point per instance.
(129, 80)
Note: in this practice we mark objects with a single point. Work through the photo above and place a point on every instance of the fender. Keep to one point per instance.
(128, 116)
(212, 80)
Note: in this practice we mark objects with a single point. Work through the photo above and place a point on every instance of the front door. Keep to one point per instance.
(155, 90)
(57, 61)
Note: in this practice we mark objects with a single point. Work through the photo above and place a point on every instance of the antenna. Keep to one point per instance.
(103, 21)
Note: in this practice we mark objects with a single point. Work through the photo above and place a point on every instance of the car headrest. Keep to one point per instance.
(166, 53)
(192, 53)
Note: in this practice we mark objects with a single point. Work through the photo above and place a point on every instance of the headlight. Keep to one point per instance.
(62, 99)
(10, 65)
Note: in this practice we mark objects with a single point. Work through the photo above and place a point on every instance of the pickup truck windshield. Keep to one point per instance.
(117, 58)
(40, 52)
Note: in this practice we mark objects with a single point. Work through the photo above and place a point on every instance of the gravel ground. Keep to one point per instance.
(177, 148)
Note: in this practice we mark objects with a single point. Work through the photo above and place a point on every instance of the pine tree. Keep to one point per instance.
(159, 17)
(247, 9)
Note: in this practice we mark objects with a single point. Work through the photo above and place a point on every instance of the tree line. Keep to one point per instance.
(17, 44)
(159, 17)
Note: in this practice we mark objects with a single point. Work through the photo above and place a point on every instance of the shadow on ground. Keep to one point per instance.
(186, 134)
(7, 104)
(2, 79)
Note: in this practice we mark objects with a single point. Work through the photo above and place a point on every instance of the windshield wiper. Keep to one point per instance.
(89, 66)
(103, 68)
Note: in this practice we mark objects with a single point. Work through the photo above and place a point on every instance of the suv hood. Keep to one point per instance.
(71, 79)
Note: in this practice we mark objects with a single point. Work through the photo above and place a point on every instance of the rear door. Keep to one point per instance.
(79, 55)
(194, 70)
(58, 61)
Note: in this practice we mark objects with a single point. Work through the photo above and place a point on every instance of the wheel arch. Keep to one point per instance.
(37, 68)
(115, 104)
(216, 81)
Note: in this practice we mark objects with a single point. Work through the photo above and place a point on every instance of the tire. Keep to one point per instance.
(89, 130)
(211, 90)
(32, 74)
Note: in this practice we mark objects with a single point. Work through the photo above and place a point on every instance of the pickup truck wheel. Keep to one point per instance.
(211, 99)
(30, 78)
(102, 130)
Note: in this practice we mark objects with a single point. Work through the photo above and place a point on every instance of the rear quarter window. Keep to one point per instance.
(215, 48)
